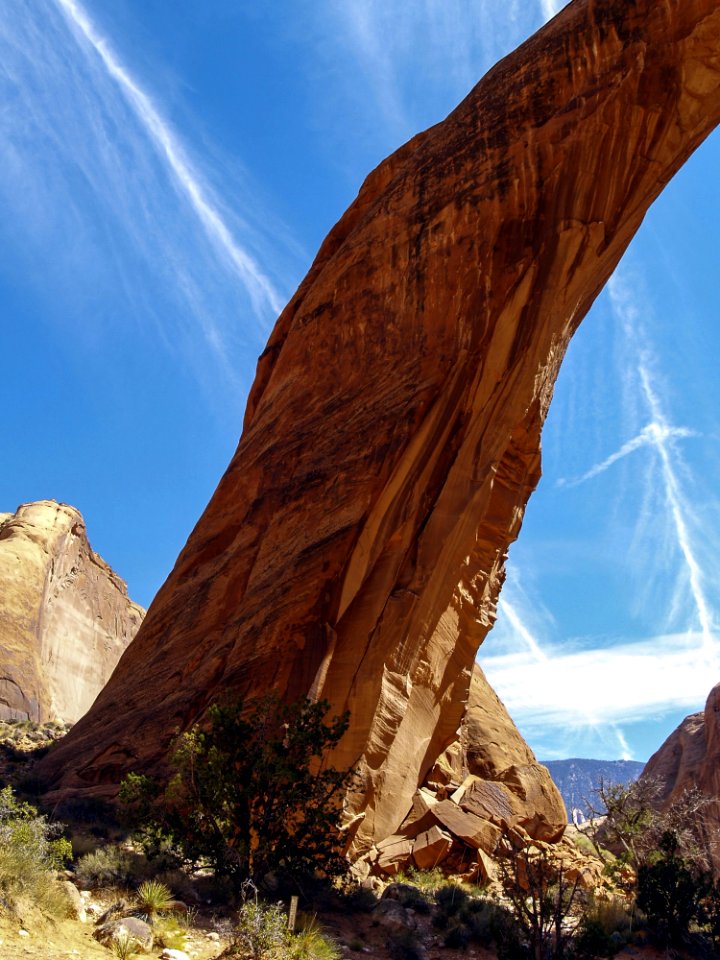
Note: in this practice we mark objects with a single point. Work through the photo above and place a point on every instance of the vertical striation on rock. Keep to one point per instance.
(355, 546)
(65, 616)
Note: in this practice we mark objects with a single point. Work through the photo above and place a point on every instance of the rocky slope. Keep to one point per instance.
(689, 758)
(354, 548)
(65, 616)
(578, 780)
(486, 784)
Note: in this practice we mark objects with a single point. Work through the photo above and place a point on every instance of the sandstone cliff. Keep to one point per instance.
(65, 616)
(355, 546)
(485, 785)
(689, 758)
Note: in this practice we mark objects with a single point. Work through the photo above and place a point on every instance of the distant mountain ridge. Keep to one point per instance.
(578, 779)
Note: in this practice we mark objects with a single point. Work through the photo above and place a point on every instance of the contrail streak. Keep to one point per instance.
(676, 502)
(660, 435)
(654, 433)
(258, 285)
(521, 630)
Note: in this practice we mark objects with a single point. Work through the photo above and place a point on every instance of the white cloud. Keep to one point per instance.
(128, 223)
(653, 435)
(260, 288)
(405, 66)
(605, 685)
(660, 437)
(597, 689)
(549, 8)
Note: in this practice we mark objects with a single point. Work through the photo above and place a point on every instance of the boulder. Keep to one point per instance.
(475, 831)
(394, 855)
(393, 917)
(431, 848)
(138, 933)
(77, 904)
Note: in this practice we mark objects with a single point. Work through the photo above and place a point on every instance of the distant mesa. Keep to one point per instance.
(355, 547)
(578, 781)
(65, 616)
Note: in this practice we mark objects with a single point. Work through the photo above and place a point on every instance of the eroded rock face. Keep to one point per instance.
(485, 786)
(65, 616)
(355, 546)
(690, 758)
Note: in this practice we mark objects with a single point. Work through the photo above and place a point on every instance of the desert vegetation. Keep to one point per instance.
(250, 816)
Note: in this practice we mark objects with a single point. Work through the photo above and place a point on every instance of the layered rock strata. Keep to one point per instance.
(688, 760)
(486, 787)
(65, 616)
(354, 548)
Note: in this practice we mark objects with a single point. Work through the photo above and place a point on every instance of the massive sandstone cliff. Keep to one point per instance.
(65, 616)
(690, 758)
(355, 546)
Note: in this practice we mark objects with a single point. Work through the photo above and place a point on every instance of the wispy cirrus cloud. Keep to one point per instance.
(549, 8)
(654, 435)
(262, 292)
(416, 61)
(540, 697)
(101, 187)
(672, 472)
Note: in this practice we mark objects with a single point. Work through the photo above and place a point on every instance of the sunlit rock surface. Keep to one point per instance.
(354, 548)
(65, 616)
(485, 784)
(690, 758)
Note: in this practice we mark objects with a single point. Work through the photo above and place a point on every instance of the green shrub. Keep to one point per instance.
(261, 929)
(408, 895)
(669, 893)
(604, 928)
(30, 849)
(426, 880)
(360, 900)
(311, 943)
(105, 867)
(123, 946)
(169, 933)
(450, 899)
(252, 795)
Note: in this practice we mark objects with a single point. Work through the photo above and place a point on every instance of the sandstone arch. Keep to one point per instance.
(355, 546)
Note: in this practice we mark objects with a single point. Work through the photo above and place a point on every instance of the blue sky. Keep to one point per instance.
(167, 173)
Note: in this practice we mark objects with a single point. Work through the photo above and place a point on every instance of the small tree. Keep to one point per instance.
(628, 821)
(670, 892)
(251, 794)
(541, 899)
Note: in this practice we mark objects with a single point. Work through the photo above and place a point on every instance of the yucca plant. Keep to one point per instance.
(154, 898)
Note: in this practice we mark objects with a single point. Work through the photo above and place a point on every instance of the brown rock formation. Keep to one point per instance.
(485, 785)
(690, 758)
(65, 616)
(355, 546)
